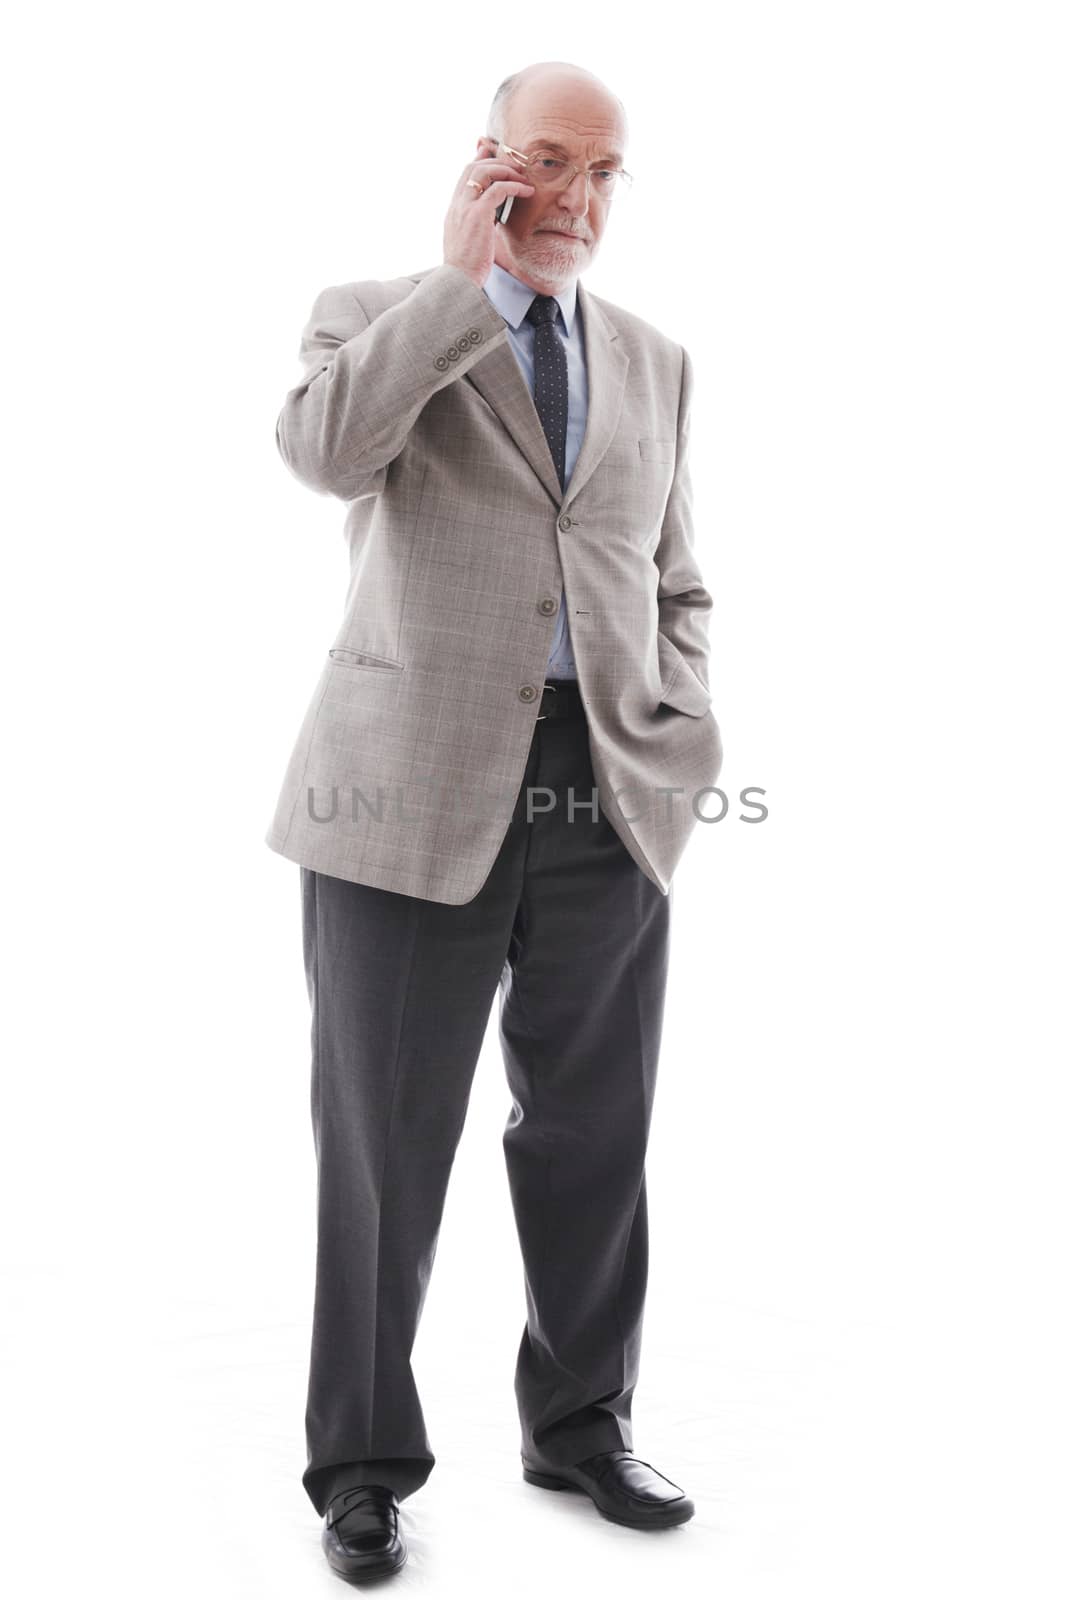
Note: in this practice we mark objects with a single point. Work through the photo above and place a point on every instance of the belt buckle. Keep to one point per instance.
(543, 714)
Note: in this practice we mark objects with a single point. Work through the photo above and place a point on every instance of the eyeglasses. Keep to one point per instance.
(546, 170)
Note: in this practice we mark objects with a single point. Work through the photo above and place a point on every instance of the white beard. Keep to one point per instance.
(552, 260)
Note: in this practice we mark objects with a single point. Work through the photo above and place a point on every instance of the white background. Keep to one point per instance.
(852, 216)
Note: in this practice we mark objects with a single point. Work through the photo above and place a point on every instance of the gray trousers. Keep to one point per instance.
(574, 937)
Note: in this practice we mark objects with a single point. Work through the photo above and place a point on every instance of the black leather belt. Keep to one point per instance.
(560, 699)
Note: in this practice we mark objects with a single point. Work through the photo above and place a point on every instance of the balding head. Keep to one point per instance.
(551, 236)
(557, 89)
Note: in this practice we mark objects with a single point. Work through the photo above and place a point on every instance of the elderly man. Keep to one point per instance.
(498, 770)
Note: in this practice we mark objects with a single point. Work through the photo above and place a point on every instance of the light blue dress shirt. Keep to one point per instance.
(513, 299)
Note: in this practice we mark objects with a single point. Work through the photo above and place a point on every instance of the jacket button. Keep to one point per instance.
(565, 522)
(475, 336)
(546, 606)
(452, 353)
(441, 363)
(463, 343)
(527, 692)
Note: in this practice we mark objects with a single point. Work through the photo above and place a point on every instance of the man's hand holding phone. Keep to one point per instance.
(474, 213)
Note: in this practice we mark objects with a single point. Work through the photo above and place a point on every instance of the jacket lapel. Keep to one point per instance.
(499, 380)
(605, 364)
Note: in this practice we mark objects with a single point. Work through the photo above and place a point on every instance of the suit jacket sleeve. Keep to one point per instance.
(365, 381)
(684, 603)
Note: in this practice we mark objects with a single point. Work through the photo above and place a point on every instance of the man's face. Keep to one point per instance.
(552, 236)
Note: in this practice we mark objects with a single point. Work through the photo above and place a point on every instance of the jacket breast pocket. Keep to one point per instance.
(340, 656)
(656, 449)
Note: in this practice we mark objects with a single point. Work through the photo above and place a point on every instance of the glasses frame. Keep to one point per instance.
(627, 178)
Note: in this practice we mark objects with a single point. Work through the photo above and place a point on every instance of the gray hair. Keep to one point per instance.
(498, 111)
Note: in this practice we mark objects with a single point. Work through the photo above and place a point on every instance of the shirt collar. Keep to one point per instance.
(513, 298)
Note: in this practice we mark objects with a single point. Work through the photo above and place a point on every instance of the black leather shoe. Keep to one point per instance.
(361, 1533)
(622, 1488)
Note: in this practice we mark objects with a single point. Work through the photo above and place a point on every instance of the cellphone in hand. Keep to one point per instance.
(503, 210)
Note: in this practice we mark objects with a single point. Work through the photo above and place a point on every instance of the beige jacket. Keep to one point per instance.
(413, 410)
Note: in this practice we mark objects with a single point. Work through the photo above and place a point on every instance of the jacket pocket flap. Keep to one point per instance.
(345, 657)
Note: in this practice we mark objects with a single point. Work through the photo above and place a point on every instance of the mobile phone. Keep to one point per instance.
(503, 210)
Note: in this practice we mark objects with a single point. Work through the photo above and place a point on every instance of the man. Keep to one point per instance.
(497, 773)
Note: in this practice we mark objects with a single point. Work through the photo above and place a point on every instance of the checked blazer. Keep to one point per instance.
(412, 410)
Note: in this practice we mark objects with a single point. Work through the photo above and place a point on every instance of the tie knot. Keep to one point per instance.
(543, 308)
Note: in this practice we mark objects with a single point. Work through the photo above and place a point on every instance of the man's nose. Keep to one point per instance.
(576, 195)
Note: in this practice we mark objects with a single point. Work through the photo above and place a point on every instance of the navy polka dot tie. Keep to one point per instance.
(550, 378)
